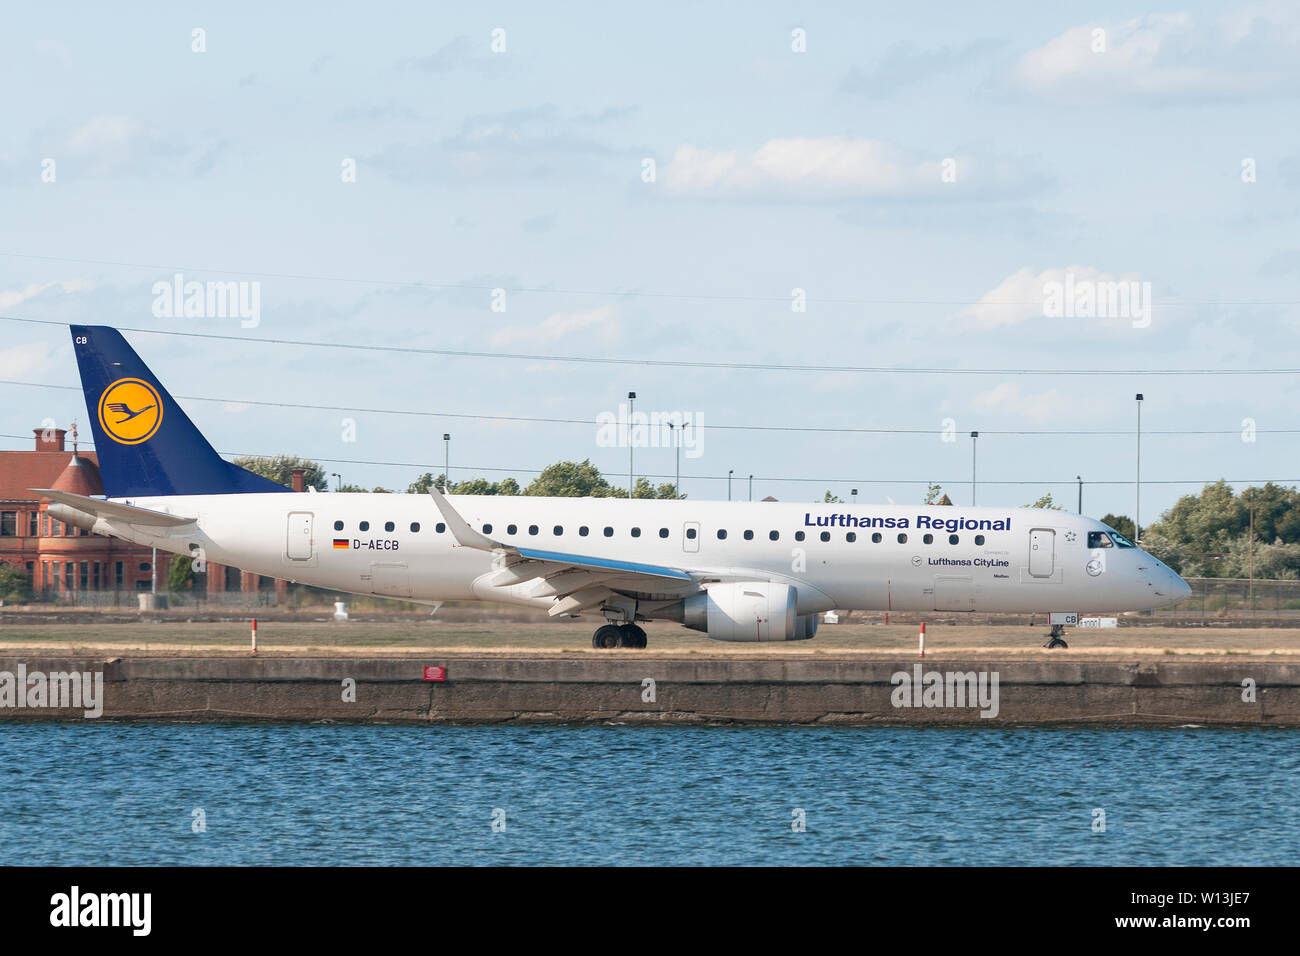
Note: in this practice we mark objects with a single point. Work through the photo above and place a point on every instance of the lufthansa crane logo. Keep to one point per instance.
(130, 411)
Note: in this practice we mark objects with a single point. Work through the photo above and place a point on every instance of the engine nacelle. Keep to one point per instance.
(745, 611)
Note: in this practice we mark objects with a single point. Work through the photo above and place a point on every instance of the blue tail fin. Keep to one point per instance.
(145, 443)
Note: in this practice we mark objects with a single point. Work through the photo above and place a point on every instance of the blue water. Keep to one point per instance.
(93, 794)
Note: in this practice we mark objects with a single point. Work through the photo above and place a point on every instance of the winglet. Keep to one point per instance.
(465, 536)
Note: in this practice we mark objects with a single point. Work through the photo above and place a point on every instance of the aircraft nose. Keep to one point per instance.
(1179, 588)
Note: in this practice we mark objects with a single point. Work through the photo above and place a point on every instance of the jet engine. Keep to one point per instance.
(748, 611)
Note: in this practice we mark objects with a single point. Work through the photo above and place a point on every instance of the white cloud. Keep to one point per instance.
(556, 326)
(12, 297)
(22, 361)
(823, 167)
(1166, 55)
(1022, 296)
(1037, 407)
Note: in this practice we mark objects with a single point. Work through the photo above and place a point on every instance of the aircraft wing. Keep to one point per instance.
(575, 581)
(110, 509)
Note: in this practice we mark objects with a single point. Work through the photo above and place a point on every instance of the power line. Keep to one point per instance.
(904, 430)
(675, 363)
(605, 293)
(821, 481)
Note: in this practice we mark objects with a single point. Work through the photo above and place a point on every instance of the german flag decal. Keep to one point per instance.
(340, 544)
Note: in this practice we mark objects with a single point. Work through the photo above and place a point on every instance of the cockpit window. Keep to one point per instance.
(1120, 540)
(1099, 539)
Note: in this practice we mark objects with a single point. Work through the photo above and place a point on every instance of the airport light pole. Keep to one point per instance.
(446, 461)
(631, 401)
(339, 486)
(751, 487)
(1137, 484)
(974, 440)
(1079, 478)
(729, 474)
(854, 493)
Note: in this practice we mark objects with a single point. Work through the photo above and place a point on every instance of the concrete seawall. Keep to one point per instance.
(596, 690)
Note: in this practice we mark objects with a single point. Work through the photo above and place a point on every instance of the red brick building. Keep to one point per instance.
(63, 561)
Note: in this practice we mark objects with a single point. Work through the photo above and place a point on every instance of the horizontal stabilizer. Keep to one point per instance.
(111, 510)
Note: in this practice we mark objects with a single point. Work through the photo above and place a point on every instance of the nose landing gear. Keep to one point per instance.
(1056, 638)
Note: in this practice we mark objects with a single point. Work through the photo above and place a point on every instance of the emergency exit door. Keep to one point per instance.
(1042, 552)
(299, 543)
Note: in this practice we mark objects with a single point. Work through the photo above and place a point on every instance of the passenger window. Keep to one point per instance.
(902, 539)
(487, 529)
(364, 526)
(875, 538)
(663, 532)
(953, 539)
(774, 535)
(979, 539)
(798, 535)
(722, 534)
(558, 530)
(851, 537)
(1099, 539)
(512, 529)
(825, 535)
(389, 526)
(415, 526)
(440, 527)
(636, 532)
(928, 539)
(690, 534)
(532, 529)
(609, 532)
(338, 526)
(749, 535)
(582, 531)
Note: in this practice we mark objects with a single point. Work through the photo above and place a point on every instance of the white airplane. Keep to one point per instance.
(736, 571)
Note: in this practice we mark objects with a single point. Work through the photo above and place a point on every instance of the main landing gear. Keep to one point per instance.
(618, 635)
(1055, 639)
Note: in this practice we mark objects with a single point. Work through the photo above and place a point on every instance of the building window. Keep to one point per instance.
(338, 526)
(749, 535)
(34, 524)
(928, 539)
(142, 585)
(54, 578)
(415, 526)
(83, 581)
(97, 585)
(8, 524)
(68, 570)
(56, 528)
(389, 526)
(117, 574)
(851, 537)
(144, 565)
(979, 539)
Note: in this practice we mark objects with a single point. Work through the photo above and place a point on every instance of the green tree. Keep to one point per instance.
(1121, 523)
(569, 479)
(830, 499)
(1046, 502)
(180, 573)
(933, 493)
(481, 486)
(280, 469)
(14, 586)
(643, 489)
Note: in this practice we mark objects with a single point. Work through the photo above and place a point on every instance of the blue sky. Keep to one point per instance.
(774, 170)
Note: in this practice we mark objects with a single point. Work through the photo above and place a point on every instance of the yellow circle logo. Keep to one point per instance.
(130, 411)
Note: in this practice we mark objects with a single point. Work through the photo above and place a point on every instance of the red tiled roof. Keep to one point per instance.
(20, 470)
(81, 477)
